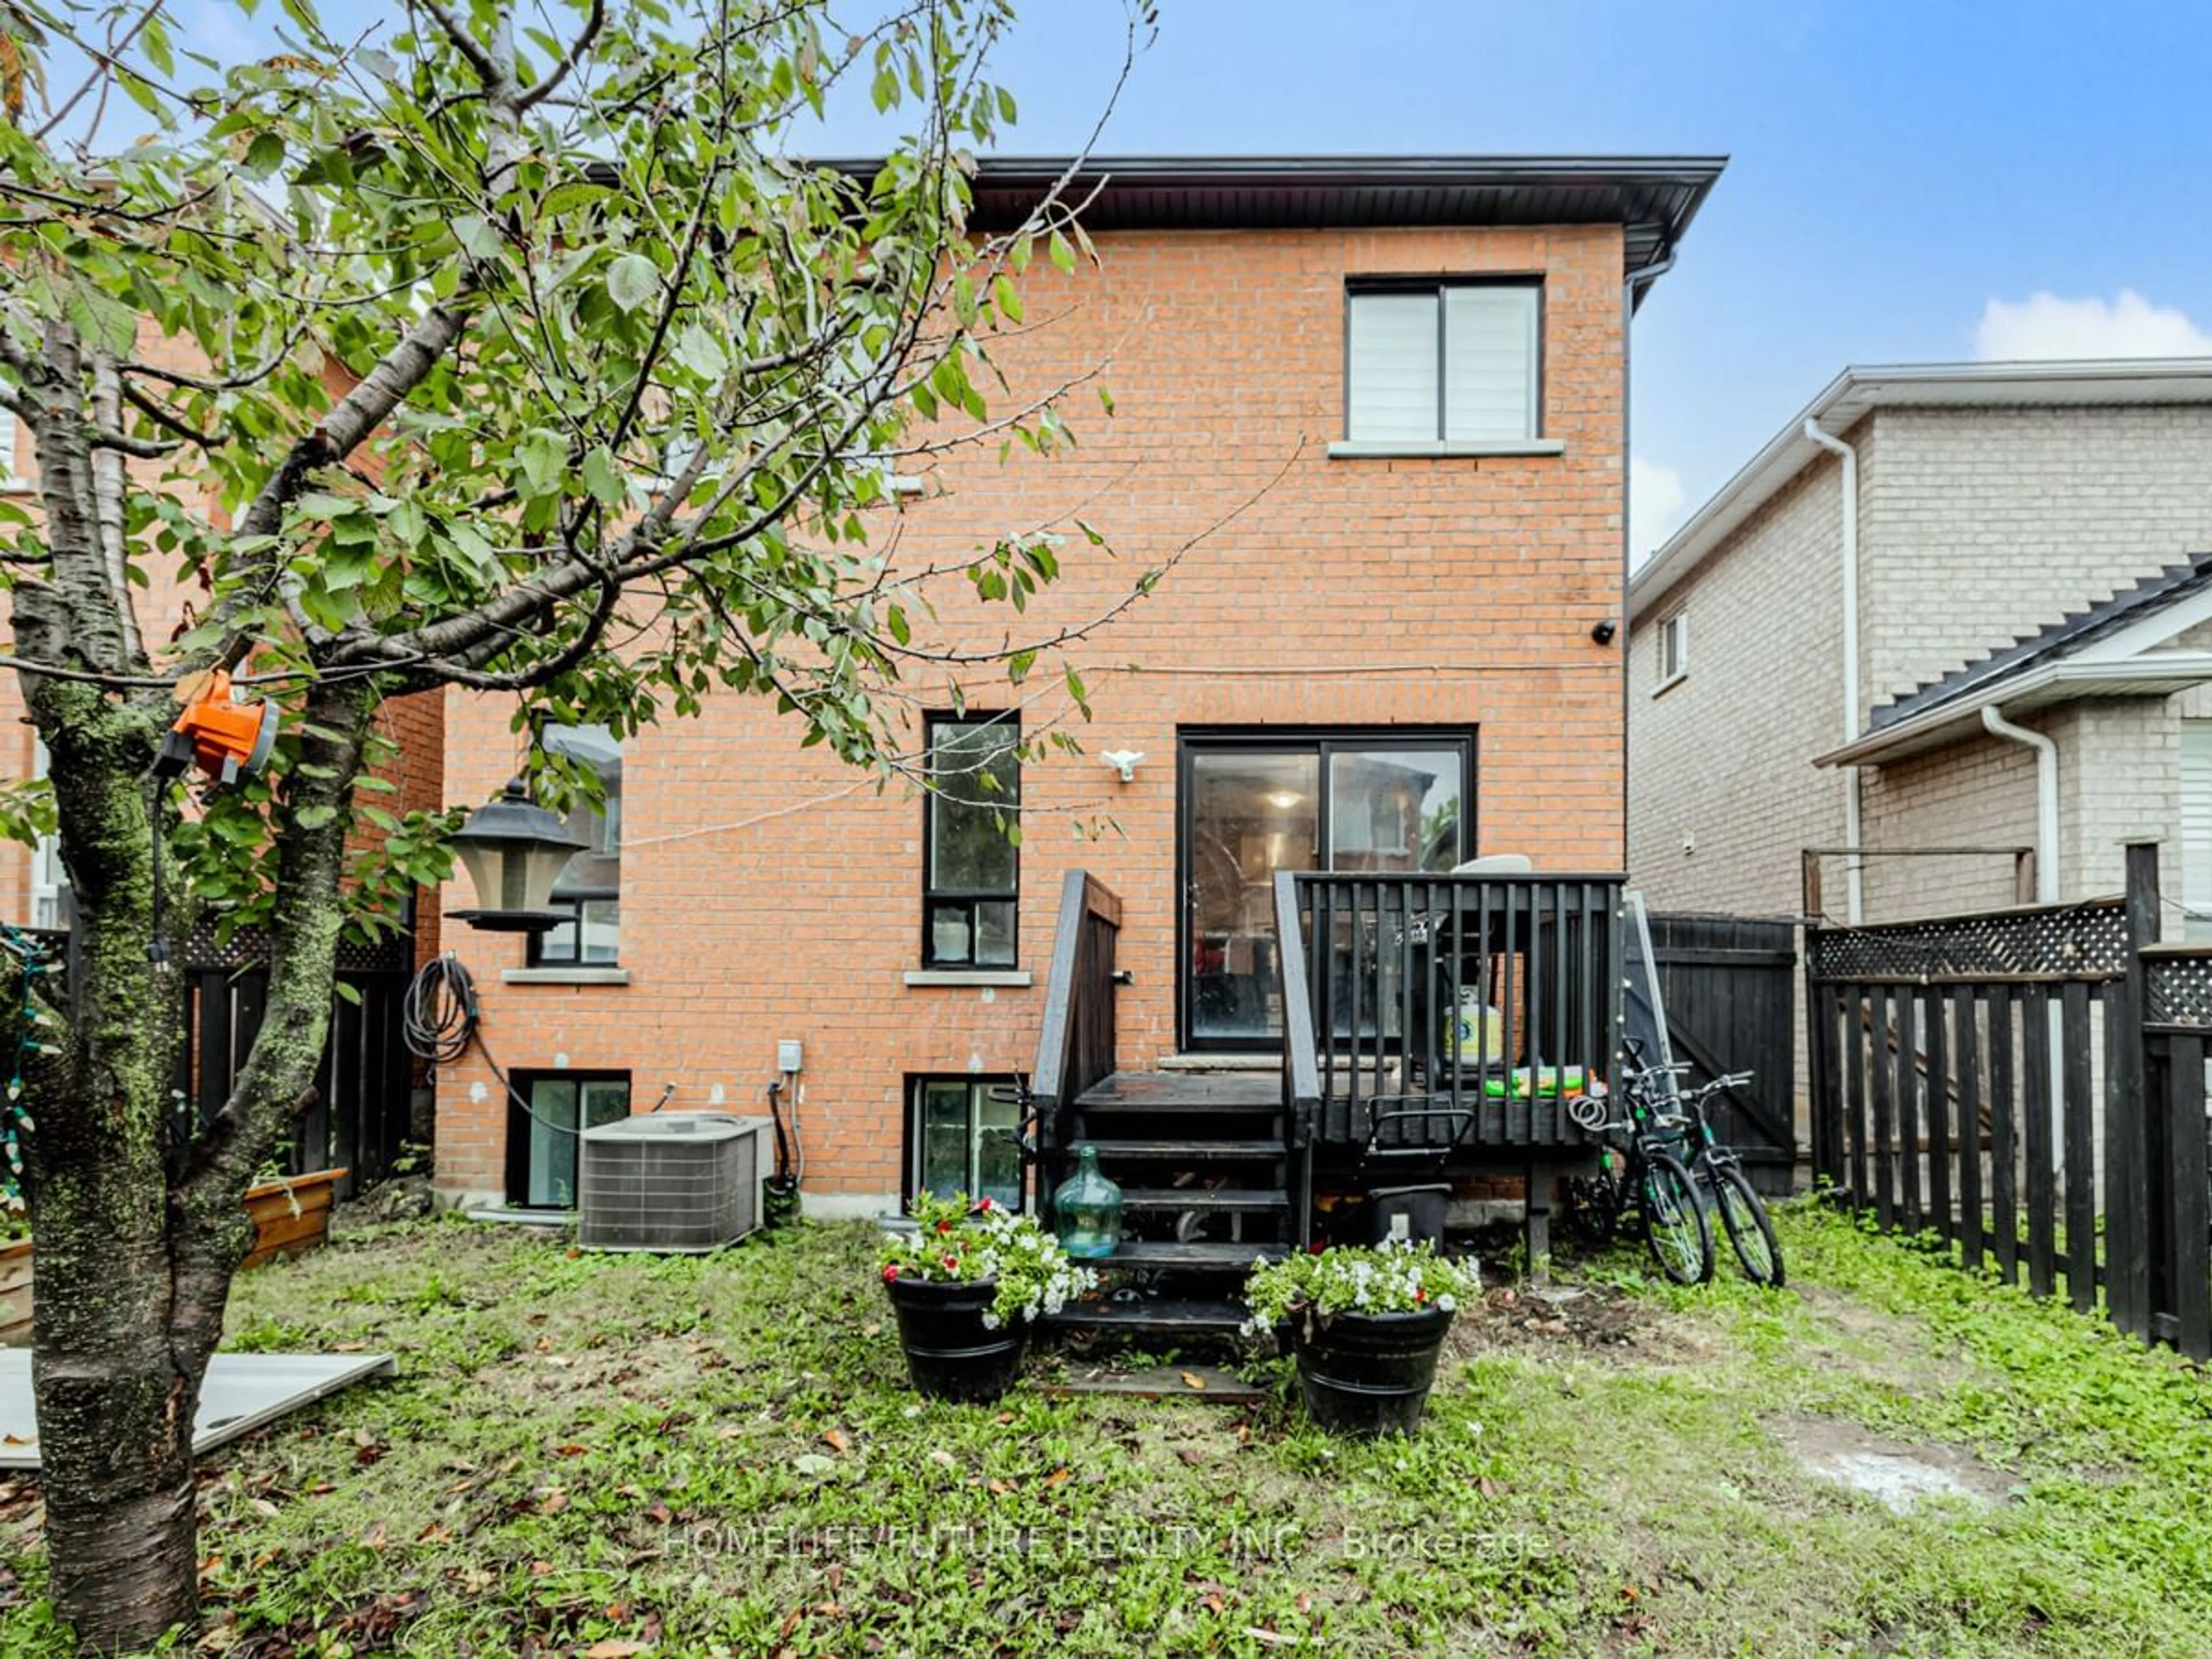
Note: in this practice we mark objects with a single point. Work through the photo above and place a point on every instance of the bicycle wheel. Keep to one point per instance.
(1749, 1229)
(1675, 1221)
(1594, 1204)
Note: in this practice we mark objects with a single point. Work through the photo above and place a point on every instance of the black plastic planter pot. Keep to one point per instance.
(950, 1353)
(1370, 1374)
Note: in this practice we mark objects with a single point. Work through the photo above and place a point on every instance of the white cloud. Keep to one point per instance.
(2043, 326)
(1655, 504)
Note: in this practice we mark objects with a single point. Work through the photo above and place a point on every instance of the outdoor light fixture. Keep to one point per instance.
(514, 849)
(1124, 761)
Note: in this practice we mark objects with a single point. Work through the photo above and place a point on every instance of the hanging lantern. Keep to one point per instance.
(514, 849)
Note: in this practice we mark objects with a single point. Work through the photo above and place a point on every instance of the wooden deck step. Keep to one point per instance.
(1157, 1316)
(1202, 1383)
(1196, 1092)
(1250, 1200)
(1197, 1253)
(1195, 1151)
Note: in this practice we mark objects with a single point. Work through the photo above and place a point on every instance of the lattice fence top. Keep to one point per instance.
(248, 947)
(2076, 941)
(2178, 990)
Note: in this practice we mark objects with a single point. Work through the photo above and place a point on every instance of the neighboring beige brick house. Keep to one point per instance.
(2024, 544)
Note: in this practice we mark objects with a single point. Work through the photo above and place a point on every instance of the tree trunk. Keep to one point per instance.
(116, 1394)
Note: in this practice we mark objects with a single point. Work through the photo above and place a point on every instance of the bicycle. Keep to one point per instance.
(1720, 1172)
(1654, 1179)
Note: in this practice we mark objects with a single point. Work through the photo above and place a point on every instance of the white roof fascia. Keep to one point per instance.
(2154, 630)
(2068, 674)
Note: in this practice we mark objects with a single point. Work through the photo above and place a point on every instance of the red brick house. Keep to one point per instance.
(1382, 404)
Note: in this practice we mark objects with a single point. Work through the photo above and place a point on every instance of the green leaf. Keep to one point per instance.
(604, 478)
(1063, 254)
(1004, 296)
(475, 233)
(314, 817)
(265, 154)
(631, 280)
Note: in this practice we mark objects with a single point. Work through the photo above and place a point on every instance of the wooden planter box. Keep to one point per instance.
(288, 1216)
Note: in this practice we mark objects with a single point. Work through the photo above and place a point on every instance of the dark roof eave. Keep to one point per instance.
(1653, 198)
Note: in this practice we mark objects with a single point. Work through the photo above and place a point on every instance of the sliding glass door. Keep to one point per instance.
(1255, 803)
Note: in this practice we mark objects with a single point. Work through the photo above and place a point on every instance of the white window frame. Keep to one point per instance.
(1671, 650)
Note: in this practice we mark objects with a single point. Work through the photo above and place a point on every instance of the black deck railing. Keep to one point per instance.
(1426, 1013)
(1076, 1041)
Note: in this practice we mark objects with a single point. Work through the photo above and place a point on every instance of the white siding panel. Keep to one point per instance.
(2196, 827)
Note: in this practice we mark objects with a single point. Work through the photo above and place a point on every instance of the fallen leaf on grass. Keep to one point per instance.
(570, 1450)
(942, 1458)
(834, 1438)
(1058, 1475)
(374, 1537)
(1193, 1380)
(1270, 1638)
(612, 1650)
(999, 1488)
(555, 1502)
(813, 1463)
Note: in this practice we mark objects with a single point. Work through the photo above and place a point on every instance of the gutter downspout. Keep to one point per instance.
(1642, 277)
(1855, 908)
(2046, 798)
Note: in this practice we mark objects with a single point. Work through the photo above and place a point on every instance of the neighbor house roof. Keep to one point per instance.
(1856, 391)
(1654, 197)
(2108, 650)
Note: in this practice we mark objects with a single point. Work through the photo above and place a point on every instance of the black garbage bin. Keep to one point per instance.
(1406, 1214)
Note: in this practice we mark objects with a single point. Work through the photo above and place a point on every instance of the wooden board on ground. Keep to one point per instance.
(1158, 1382)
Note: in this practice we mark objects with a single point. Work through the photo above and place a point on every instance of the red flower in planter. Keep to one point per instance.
(1420, 1295)
(952, 1263)
(984, 1206)
(890, 1272)
(944, 1226)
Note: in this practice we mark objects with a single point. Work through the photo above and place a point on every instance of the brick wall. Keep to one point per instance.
(1722, 796)
(1982, 524)
(767, 893)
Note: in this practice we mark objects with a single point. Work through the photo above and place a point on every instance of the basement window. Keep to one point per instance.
(961, 1138)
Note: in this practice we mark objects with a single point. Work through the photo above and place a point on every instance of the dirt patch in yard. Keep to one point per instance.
(1597, 1320)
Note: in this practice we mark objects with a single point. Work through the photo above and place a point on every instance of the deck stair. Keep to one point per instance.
(1203, 1164)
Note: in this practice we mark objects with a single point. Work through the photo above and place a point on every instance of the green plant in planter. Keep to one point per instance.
(957, 1242)
(1317, 1287)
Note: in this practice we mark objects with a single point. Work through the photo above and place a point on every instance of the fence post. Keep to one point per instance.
(2129, 1171)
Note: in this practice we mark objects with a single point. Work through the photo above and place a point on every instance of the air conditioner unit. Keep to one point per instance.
(689, 1181)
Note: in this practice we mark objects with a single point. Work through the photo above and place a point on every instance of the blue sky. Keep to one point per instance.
(1911, 179)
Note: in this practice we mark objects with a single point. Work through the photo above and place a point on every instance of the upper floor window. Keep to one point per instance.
(1441, 362)
(589, 889)
(1672, 656)
(971, 842)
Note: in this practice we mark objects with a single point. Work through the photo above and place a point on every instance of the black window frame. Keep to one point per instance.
(519, 1084)
(1356, 286)
(1193, 740)
(910, 1182)
(933, 898)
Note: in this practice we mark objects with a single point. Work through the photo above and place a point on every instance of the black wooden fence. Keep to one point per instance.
(1729, 987)
(2028, 1086)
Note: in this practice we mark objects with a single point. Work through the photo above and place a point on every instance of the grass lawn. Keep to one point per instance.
(610, 1456)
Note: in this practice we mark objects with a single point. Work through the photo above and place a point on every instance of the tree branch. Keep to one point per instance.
(560, 71)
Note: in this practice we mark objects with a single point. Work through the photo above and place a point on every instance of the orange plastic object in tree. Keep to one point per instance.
(225, 738)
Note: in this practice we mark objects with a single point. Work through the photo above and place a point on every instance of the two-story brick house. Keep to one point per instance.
(2022, 538)
(1378, 409)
